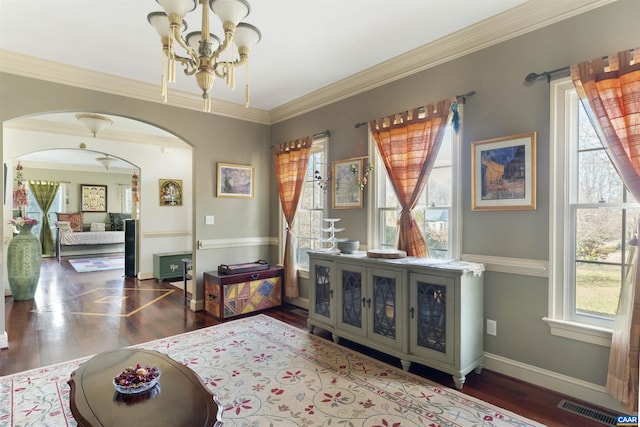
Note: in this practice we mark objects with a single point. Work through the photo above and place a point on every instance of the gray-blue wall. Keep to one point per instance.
(503, 105)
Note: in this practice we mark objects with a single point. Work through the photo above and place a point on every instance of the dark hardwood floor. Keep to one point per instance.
(79, 314)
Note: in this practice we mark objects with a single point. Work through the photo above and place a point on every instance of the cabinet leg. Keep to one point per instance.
(459, 381)
(336, 339)
(478, 370)
(405, 365)
(310, 326)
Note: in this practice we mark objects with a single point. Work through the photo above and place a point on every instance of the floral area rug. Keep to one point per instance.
(268, 373)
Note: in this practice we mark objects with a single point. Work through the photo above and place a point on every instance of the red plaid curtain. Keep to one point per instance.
(610, 89)
(408, 144)
(292, 160)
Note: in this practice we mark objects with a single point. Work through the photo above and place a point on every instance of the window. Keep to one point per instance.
(32, 210)
(592, 220)
(126, 198)
(308, 223)
(436, 212)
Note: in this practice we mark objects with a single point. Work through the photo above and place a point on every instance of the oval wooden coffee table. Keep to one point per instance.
(179, 399)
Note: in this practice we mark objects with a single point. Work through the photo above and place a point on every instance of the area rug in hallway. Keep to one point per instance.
(85, 265)
(268, 373)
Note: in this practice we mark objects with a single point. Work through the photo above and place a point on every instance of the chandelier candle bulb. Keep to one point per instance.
(246, 86)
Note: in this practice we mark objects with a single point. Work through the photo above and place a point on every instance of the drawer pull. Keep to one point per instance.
(212, 296)
(368, 302)
(412, 311)
(363, 300)
(254, 276)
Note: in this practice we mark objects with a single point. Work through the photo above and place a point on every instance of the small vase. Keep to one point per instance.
(24, 256)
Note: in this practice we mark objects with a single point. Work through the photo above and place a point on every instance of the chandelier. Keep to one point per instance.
(203, 49)
(106, 160)
(94, 122)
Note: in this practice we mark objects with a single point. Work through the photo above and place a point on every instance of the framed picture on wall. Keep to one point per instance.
(93, 198)
(170, 192)
(235, 181)
(345, 192)
(503, 173)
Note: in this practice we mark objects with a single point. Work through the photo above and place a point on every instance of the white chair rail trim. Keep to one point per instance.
(519, 266)
(166, 233)
(236, 242)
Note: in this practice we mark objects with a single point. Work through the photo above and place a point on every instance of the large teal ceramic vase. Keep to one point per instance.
(23, 264)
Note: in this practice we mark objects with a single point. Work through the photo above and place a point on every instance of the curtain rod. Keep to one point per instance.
(44, 180)
(532, 77)
(462, 97)
(323, 134)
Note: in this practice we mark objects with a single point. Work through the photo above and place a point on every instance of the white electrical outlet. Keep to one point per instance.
(209, 220)
(492, 327)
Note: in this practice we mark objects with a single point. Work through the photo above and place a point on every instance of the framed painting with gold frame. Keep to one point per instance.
(345, 175)
(93, 198)
(235, 181)
(503, 173)
(170, 192)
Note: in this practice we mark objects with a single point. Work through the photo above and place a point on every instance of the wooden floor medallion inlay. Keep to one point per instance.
(117, 302)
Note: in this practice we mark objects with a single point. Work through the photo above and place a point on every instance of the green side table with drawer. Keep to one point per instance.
(169, 265)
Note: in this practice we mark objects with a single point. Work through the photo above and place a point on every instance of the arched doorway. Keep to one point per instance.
(61, 143)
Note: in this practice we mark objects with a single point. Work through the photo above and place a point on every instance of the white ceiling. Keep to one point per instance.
(121, 129)
(309, 47)
(306, 44)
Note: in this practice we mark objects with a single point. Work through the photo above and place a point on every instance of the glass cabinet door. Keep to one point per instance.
(431, 316)
(432, 320)
(351, 297)
(385, 305)
(321, 293)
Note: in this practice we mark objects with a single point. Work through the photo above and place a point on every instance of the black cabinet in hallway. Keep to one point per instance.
(130, 247)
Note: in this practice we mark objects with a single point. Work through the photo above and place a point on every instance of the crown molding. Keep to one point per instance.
(514, 22)
(76, 167)
(55, 72)
(529, 16)
(51, 127)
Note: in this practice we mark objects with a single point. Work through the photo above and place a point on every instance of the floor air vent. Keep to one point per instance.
(587, 412)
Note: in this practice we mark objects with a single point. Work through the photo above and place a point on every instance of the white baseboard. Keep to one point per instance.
(196, 304)
(145, 276)
(579, 389)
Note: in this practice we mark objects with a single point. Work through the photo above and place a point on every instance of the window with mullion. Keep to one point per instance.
(602, 214)
(433, 211)
(307, 226)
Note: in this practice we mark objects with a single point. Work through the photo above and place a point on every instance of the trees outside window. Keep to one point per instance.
(308, 223)
(593, 217)
(435, 208)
